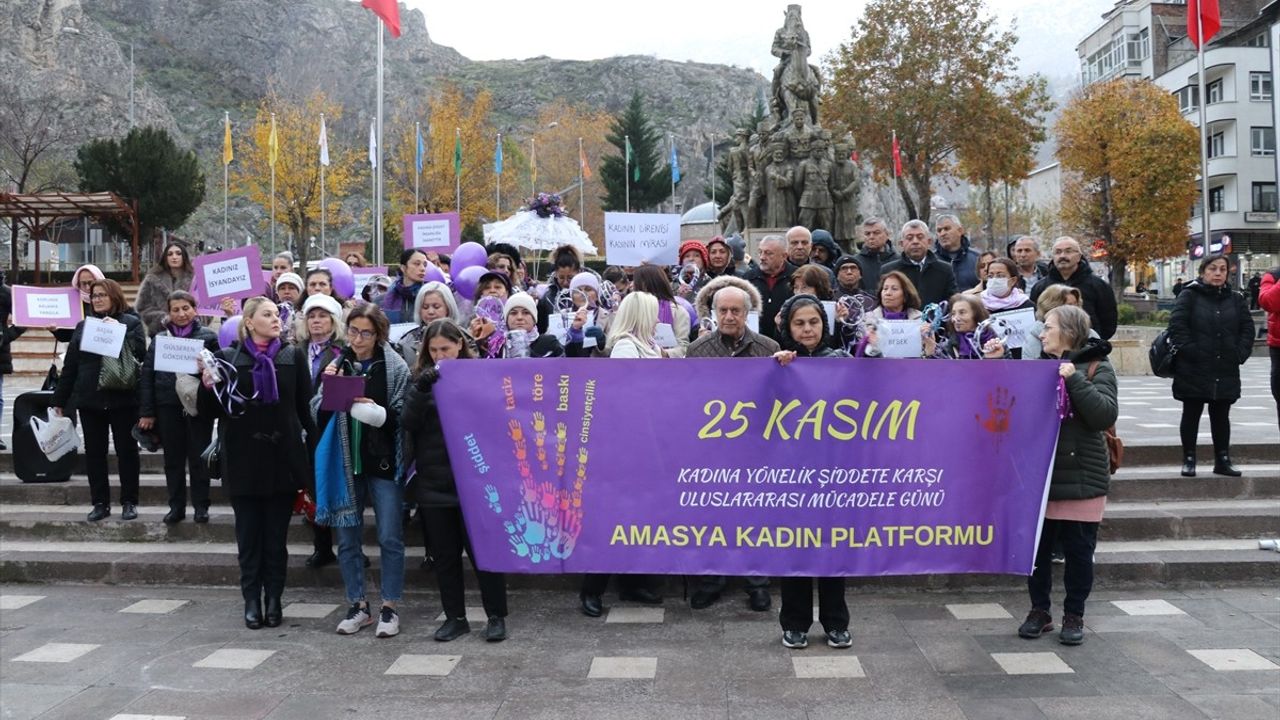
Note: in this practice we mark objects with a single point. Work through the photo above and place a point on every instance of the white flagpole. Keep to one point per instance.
(377, 185)
(322, 208)
(1204, 136)
(417, 172)
(497, 188)
(672, 160)
(226, 120)
(273, 195)
(533, 168)
(457, 173)
(626, 169)
(714, 209)
(582, 188)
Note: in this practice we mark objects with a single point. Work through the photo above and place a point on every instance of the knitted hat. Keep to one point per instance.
(324, 302)
(847, 260)
(521, 300)
(291, 279)
(691, 245)
(586, 278)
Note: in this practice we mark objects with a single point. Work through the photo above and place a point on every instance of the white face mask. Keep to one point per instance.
(998, 286)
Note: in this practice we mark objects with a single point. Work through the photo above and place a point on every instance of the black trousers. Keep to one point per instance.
(1079, 540)
(797, 604)
(321, 537)
(184, 438)
(96, 423)
(597, 584)
(448, 537)
(717, 583)
(1219, 424)
(262, 534)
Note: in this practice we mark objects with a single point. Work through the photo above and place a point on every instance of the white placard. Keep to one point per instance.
(176, 355)
(399, 330)
(588, 341)
(1021, 322)
(229, 276)
(557, 328)
(103, 338)
(48, 307)
(666, 336)
(830, 307)
(637, 238)
(899, 338)
(429, 234)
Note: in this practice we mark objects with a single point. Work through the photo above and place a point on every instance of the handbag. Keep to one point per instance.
(55, 437)
(212, 458)
(119, 373)
(1115, 446)
(51, 377)
(1162, 354)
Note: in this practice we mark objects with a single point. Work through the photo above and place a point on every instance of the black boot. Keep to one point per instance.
(253, 613)
(1222, 465)
(273, 614)
(1189, 465)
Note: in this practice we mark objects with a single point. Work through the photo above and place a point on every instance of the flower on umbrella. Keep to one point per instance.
(545, 205)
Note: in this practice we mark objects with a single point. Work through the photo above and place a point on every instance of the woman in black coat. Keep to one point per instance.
(1213, 332)
(436, 494)
(184, 437)
(265, 423)
(104, 410)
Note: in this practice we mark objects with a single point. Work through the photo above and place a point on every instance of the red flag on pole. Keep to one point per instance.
(897, 156)
(389, 11)
(853, 155)
(1202, 29)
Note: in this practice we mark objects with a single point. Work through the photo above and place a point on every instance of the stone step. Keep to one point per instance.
(1187, 520)
(1118, 565)
(1156, 457)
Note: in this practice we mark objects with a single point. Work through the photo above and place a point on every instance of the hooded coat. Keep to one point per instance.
(1081, 466)
(1213, 331)
(710, 344)
(823, 239)
(824, 348)
(1095, 296)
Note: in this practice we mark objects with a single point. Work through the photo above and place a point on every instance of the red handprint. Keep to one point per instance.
(999, 412)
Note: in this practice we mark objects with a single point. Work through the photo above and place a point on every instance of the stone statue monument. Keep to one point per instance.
(786, 172)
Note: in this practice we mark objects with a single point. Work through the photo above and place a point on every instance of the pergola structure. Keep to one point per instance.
(36, 212)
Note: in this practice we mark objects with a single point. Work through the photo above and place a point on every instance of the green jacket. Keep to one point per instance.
(1080, 466)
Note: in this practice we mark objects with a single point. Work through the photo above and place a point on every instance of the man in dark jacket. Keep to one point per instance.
(952, 247)
(876, 252)
(1070, 268)
(849, 281)
(7, 335)
(825, 251)
(1025, 253)
(772, 279)
(933, 278)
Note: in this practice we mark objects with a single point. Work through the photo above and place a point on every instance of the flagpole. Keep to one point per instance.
(533, 168)
(226, 123)
(373, 189)
(273, 193)
(497, 186)
(322, 208)
(582, 188)
(377, 191)
(626, 174)
(417, 166)
(714, 209)
(457, 175)
(672, 144)
(1204, 134)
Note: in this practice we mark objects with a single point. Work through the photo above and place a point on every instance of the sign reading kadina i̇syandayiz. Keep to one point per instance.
(826, 467)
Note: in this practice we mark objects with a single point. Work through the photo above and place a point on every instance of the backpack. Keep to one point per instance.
(1115, 446)
(1162, 354)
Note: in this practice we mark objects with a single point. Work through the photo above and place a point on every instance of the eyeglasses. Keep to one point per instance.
(362, 334)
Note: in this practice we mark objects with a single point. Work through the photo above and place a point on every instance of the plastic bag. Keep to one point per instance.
(56, 437)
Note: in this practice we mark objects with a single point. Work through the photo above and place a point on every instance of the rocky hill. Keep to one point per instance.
(197, 58)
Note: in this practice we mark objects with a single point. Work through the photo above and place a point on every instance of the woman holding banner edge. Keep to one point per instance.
(1081, 472)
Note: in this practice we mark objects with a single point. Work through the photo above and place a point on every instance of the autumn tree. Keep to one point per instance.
(1129, 161)
(1004, 151)
(920, 67)
(648, 179)
(559, 126)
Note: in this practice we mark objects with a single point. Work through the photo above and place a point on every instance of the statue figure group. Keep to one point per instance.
(790, 171)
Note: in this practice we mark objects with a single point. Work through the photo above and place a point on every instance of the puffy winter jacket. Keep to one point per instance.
(1213, 331)
(1269, 300)
(1081, 469)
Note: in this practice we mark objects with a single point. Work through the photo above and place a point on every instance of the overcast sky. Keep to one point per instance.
(737, 33)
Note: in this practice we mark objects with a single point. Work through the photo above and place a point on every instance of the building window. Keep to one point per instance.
(1259, 40)
(1262, 141)
(1217, 198)
(1138, 47)
(1259, 86)
(1188, 98)
(1217, 145)
(1264, 197)
(1213, 91)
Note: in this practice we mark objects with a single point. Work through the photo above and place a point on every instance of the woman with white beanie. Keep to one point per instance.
(520, 314)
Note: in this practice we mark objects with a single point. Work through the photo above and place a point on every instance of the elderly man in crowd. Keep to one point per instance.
(934, 280)
(772, 277)
(1071, 268)
(952, 247)
(730, 299)
(1025, 253)
(876, 252)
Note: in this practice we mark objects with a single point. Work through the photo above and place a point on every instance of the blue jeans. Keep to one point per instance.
(387, 498)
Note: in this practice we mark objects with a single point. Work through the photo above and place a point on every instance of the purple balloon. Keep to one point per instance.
(467, 280)
(693, 314)
(227, 333)
(435, 274)
(468, 254)
(344, 282)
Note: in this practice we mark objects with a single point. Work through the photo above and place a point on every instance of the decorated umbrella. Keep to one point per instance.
(541, 225)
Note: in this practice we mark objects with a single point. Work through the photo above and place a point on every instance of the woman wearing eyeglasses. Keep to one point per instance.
(369, 442)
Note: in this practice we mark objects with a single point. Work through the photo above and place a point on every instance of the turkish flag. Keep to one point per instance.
(389, 11)
(1210, 20)
(897, 157)
(853, 155)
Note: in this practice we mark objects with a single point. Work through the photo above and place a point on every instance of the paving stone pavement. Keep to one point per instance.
(113, 652)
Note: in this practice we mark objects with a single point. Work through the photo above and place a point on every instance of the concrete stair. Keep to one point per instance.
(1160, 529)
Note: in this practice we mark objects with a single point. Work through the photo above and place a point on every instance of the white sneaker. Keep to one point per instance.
(357, 618)
(388, 622)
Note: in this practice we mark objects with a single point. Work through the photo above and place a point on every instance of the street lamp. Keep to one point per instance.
(77, 31)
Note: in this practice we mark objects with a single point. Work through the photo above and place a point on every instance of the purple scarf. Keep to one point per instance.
(894, 315)
(264, 370)
(181, 332)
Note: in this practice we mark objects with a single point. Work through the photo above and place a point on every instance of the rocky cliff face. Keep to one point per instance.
(196, 58)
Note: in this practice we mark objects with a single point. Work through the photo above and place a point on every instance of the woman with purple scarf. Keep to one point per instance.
(183, 436)
(965, 335)
(898, 301)
(261, 393)
(400, 300)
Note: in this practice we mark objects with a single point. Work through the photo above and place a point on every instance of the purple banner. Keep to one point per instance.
(826, 467)
(43, 306)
